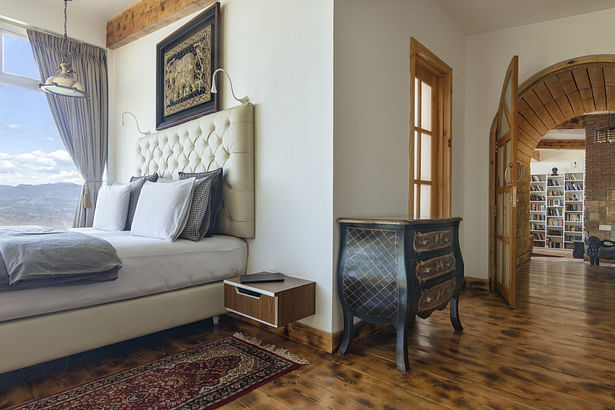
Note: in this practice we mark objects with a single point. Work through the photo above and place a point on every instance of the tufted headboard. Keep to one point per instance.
(224, 139)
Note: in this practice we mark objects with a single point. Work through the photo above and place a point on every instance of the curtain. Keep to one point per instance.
(82, 122)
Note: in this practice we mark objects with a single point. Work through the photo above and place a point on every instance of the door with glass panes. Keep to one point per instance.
(430, 134)
(425, 141)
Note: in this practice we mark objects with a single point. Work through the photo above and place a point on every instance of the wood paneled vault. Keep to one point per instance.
(561, 92)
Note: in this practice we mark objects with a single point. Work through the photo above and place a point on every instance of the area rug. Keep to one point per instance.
(206, 376)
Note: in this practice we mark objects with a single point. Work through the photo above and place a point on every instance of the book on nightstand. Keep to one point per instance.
(261, 277)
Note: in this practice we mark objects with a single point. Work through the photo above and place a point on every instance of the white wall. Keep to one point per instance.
(569, 160)
(372, 104)
(487, 56)
(39, 14)
(280, 54)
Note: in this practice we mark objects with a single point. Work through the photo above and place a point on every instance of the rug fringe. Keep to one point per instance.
(280, 351)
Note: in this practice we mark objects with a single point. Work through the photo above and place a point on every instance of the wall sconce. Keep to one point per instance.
(214, 90)
(136, 122)
(605, 134)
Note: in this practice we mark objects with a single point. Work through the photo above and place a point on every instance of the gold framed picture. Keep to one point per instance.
(185, 61)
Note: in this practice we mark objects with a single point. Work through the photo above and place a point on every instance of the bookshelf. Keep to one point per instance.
(556, 210)
(573, 208)
(538, 209)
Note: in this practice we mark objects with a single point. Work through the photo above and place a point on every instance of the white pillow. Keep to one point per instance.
(162, 210)
(111, 207)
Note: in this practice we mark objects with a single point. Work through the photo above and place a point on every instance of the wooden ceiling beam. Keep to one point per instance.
(581, 78)
(534, 102)
(570, 89)
(596, 77)
(555, 87)
(561, 144)
(147, 16)
(526, 111)
(609, 83)
(547, 99)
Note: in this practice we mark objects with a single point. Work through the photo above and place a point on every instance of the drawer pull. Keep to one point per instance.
(431, 241)
(435, 267)
(248, 293)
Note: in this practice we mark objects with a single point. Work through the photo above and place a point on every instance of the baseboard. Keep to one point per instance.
(325, 341)
(477, 283)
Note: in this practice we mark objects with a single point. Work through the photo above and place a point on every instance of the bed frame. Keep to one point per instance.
(224, 139)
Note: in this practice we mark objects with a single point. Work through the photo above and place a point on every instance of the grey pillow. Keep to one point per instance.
(198, 209)
(215, 198)
(136, 184)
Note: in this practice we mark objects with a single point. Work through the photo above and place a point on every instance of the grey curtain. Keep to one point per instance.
(82, 122)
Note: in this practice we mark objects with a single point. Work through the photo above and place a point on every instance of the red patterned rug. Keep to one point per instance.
(206, 376)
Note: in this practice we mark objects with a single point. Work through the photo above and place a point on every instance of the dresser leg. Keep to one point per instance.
(455, 314)
(348, 333)
(402, 348)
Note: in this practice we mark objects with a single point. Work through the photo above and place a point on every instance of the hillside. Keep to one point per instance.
(45, 204)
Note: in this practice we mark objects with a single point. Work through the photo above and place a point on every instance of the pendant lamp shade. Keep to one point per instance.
(63, 83)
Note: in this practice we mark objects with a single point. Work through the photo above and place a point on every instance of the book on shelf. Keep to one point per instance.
(539, 236)
(574, 186)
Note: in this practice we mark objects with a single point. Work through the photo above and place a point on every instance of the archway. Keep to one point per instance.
(564, 93)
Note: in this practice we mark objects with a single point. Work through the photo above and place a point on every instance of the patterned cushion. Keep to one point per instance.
(215, 198)
(136, 184)
(198, 209)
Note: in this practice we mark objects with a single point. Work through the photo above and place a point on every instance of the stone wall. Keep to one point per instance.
(599, 179)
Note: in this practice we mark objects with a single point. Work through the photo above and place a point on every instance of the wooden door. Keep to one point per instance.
(505, 158)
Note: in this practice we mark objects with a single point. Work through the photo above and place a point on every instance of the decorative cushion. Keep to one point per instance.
(136, 183)
(198, 210)
(111, 207)
(162, 210)
(215, 198)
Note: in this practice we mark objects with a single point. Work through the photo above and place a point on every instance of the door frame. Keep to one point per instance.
(443, 173)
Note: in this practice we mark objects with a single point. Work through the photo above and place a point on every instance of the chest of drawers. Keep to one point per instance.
(393, 269)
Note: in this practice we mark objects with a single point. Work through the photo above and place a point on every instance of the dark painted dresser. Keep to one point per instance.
(393, 269)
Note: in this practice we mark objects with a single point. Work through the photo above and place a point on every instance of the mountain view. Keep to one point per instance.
(44, 204)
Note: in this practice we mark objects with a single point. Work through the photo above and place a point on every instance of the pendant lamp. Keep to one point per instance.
(63, 82)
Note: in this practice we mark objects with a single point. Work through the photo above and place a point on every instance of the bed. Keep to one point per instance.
(38, 325)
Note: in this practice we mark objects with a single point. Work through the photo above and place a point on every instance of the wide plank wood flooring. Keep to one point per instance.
(555, 350)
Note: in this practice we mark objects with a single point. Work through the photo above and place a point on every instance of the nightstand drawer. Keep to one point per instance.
(272, 303)
(251, 303)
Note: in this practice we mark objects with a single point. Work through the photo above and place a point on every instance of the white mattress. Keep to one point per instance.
(150, 266)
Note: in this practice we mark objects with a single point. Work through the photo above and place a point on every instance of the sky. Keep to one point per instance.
(31, 150)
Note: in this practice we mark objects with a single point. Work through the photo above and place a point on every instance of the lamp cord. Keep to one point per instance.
(65, 56)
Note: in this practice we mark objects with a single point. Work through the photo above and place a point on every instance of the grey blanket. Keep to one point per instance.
(35, 256)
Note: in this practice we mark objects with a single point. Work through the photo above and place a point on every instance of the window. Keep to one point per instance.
(430, 148)
(39, 183)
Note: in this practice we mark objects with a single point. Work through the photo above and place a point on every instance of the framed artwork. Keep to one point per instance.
(185, 61)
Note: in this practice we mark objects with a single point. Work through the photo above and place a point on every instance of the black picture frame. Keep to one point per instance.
(185, 62)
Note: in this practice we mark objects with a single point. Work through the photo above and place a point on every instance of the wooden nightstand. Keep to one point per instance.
(272, 303)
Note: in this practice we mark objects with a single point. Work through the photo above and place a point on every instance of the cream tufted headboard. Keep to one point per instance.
(224, 139)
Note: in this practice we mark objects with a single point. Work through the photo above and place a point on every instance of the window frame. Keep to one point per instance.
(10, 79)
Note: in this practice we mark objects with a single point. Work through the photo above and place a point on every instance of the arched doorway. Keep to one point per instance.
(562, 93)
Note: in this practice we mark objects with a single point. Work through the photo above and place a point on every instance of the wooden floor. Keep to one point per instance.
(555, 350)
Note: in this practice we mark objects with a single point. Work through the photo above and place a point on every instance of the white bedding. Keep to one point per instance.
(150, 266)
